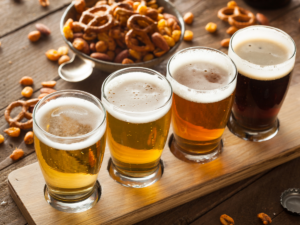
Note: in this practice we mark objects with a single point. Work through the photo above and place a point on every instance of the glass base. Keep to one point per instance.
(250, 135)
(135, 182)
(74, 207)
(189, 158)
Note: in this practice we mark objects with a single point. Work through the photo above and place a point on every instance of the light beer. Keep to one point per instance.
(265, 62)
(138, 119)
(69, 138)
(203, 82)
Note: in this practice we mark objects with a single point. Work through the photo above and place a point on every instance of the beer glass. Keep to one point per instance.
(138, 103)
(265, 58)
(69, 138)
(203, 81)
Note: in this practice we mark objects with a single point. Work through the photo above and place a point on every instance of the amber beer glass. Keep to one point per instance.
(203, 81)
(265, 58)
(69, 138)
(138, 103)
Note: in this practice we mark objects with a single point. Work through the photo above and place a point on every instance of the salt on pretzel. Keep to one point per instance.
(143, 38)
(15, 122)
(237, 16)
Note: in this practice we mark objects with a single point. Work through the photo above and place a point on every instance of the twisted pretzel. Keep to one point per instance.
(143, 37)
(15, 122)
(149, 25)
(237, 16)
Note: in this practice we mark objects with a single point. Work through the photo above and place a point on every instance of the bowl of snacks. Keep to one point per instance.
(110, 35)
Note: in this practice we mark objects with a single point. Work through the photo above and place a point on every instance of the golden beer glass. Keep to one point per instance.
(203, 82)
(138, 103)
(69, 138)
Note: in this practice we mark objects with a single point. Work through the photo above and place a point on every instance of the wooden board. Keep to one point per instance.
(181, 182)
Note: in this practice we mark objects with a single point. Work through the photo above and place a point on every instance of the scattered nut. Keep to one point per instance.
(27, 92)
(49, 84)
(231, 4)
(52, 55)
(127, 61)
(28, 139)
(16, 154)
(34, 36)
(1, 139)
(225, 42)
(226, 220)
(44, 3)
(262, 19)
(42, 96)
(63, 59)
(26, 81)
(211, 27)
(265, 218)
(47, 90)
(13, 131)
(63, 50)
(188, 35)
(231, 30)
(43, 29)
(188, 18)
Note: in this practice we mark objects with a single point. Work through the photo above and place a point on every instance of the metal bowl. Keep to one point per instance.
(82, 63)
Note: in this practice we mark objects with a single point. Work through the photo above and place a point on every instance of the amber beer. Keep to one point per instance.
(265, 59)
(138, 103)
(203, 82)
(69, 128)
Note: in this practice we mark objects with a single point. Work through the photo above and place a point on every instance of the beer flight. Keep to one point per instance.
(204, 91)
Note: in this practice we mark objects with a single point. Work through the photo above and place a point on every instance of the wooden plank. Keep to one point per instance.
(17, 13)
(239, 160)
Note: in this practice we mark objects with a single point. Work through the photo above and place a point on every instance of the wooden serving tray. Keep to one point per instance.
(180, 183)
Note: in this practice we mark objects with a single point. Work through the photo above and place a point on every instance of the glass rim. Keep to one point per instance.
(267, 28)
(107, 79)
(206, 48)
(69, 91)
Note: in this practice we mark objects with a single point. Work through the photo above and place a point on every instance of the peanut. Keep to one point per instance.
(231, 30)
(26, 81)
(226, 220)
(63, 50)
(211, 27)
(28, 139)
(13, 131)
(43, 29)
(136, 5)
(49, 84)
(101, 46)
(78, 44)
(188, 18)
(42, 95)
(225, 42)
(52, 55)
(68, 33)
(79, 6)
(265, 218)
(231, 4)
(1, 139)
(148, 57)
(85, 49)
(127, 61)
(160, 9)
(100, 56)
(135, 54)
(158, 52)
(176, 35)
(69, 23)
(121, 56)
(262, 19)
(142, 9)
(188, 35)
(34, 36)
(27, 92)
(63, 59)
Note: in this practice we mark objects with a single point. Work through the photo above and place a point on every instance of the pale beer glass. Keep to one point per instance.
(265, 58)
(203, 81)
(138, 103)
(69, 138)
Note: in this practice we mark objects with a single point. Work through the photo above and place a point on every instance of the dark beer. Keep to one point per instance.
(265, 58)
(267, 4)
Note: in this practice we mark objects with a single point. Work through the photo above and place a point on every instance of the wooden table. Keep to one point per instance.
(18, 57)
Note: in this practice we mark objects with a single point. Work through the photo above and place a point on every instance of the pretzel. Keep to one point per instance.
(143, 38)
(150, 25)
(237, 16)
(92, 20)
(15, 122)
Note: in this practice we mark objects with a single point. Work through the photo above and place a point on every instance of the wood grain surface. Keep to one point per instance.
(17, 20)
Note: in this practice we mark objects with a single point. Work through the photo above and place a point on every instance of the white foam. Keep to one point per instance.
(259, 72)
(194, 56)
(94, 119)
(148, 108)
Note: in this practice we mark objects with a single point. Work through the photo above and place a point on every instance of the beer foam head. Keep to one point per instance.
(137, 96)
(202, 75)
(65, 123)
(263, 71)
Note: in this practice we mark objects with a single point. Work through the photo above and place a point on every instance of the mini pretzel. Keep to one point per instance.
(237, 16)
(143, 38)
(151, 26)
(15, 122)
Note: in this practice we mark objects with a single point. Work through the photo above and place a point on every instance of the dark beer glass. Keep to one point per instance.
(265, 58)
